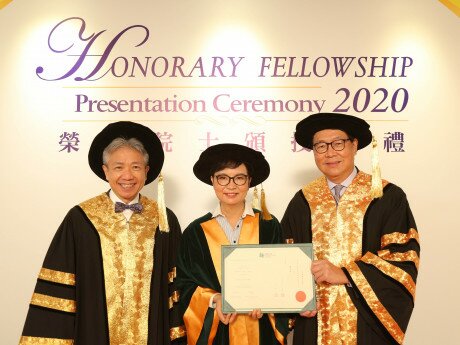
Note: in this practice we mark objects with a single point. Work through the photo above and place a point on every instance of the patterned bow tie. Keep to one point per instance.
(120, 207)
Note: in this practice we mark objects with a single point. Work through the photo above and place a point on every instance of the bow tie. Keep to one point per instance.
(120, 207)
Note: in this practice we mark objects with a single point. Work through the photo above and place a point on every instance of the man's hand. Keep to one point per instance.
(325, 272)
(309, 313)
(224, 318)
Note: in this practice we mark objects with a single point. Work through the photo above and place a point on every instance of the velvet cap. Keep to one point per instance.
(127, 130)
(352, 125)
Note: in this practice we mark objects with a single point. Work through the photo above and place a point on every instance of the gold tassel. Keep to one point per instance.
(255, 199)
(265, 214)
(376, 187)
(162, 217)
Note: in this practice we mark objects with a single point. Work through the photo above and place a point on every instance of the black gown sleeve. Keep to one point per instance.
(296, 222)
(53, 306)
(197, 282)
(383, 280)
(177, 329)
(166, 325)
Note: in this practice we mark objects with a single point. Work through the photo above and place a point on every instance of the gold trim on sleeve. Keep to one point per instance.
(373, 302)
(172, 275)
(56, 303)
(410, 255)
(44, 341)
(278, 335)
(392, 271)
(399, 238)
(174, 298)
(57, 276)
(177, 332)
(291, 323)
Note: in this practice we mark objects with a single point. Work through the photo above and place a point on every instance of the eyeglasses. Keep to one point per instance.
(337, 145)
(224, 180)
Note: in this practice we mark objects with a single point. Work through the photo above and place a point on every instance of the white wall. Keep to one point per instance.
(40, 183)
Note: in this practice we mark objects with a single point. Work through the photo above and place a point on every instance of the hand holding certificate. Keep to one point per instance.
(275, 278)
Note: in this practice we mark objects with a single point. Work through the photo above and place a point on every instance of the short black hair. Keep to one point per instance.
(231, 164)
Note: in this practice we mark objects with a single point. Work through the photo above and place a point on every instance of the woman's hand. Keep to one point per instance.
(224, 318)
(256, 314)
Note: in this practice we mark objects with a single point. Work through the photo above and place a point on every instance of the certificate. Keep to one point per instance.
(275, 278)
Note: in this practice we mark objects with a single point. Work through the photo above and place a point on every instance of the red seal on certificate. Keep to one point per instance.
(300, 296)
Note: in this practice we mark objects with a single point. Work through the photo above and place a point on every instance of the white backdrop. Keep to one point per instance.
(41, 182)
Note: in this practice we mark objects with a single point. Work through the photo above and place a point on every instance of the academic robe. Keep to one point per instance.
(106, 281)
(198, 278)
(376, 244)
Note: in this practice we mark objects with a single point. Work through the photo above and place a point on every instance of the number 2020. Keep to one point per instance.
(362, 98)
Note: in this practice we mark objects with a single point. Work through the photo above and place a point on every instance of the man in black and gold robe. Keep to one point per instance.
(109, 274)
(364, 237)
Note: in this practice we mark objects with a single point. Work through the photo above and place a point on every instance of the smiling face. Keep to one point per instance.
(126, 172)
(231, 194)
(335, 165)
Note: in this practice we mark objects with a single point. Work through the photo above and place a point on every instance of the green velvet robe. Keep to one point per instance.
(195, 269)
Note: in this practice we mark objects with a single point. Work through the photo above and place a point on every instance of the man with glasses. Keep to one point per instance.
(365, 242)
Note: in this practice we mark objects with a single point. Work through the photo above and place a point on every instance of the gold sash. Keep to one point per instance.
(244, 330)
(127, 255)
(337, 236)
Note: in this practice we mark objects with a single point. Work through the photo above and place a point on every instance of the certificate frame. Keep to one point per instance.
(287, 284)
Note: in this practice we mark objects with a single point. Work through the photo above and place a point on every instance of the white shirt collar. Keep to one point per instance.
(347, 181)
(248, 211)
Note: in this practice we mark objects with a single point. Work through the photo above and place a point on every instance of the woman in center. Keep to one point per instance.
(231, 169)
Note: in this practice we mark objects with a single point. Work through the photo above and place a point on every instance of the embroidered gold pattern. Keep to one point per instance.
(57, 276)
(127, 251)
(392, 271)
(174, 298)
(172, 275)
(177, 332)
(399, 238)
(44, 341)
(337, 237)
(376, 306)
(56, 303)
(410, 255)
(289, 240)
